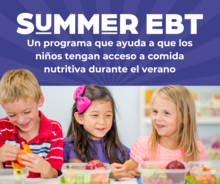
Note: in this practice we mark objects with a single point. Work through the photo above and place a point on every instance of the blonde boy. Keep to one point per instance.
(21, 96)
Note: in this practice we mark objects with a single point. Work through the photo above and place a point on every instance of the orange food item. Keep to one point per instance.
(206, 169)
(18, 166)
(205, 181)
(70, 174)
(22, 152)
(127, 163)
(207, 176)
(98, 176)
(198, 177)
(212, 180)
(26, 148)
(97, 179)
(162, 167)
(104, 180)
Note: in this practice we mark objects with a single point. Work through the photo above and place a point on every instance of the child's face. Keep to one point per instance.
(97, 119)
(23, 114)
(164, 117)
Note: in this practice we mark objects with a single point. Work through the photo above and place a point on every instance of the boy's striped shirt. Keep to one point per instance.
(48, 143)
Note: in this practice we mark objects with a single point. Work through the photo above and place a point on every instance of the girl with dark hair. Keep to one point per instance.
(93, 133)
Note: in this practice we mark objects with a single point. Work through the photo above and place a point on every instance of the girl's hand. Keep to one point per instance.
(133, 174)
(9, 152)
(118, 171)
(37, 164)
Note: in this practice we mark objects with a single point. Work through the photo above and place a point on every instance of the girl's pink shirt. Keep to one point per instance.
(138, 151)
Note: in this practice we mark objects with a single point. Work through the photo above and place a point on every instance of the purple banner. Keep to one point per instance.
(112, 42)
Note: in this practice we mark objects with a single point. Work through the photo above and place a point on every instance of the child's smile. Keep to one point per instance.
(24, 125)
(23, 114)
(164, 116)
(100, 129)
(160, 125)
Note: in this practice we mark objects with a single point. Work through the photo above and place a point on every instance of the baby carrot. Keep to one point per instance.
(205, 181)
(212, 180)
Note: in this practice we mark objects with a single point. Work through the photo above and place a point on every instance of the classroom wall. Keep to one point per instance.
(59, 101)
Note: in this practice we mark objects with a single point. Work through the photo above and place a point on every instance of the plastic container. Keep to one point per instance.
(76, 173)
(7, 177)
(205, 177)
(154, 172)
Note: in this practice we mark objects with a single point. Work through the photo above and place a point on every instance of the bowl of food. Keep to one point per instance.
(13, 176)
(163, 172)
(86, 173)
(205, 172)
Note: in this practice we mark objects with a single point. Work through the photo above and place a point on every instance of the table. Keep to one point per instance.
(57, 181)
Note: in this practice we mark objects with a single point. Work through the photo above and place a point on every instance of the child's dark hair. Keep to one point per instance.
(110, 143)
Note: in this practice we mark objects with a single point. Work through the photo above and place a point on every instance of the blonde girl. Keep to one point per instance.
(173, 135)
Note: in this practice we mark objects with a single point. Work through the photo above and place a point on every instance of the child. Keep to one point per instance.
(173, 135)
(93, 134)
(20, 96)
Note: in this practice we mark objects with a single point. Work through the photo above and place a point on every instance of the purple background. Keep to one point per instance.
(200, 66)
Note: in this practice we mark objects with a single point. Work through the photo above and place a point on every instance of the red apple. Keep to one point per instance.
(176, 177)
(94, 164)
(175, 165)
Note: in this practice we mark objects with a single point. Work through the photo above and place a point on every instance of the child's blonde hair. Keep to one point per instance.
(16, 84)
(186, 132)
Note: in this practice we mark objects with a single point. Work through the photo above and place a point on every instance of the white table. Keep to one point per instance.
(57, 181)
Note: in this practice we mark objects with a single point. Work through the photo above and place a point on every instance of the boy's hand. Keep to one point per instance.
(35, 163)
(118, 171)
(9, 152)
